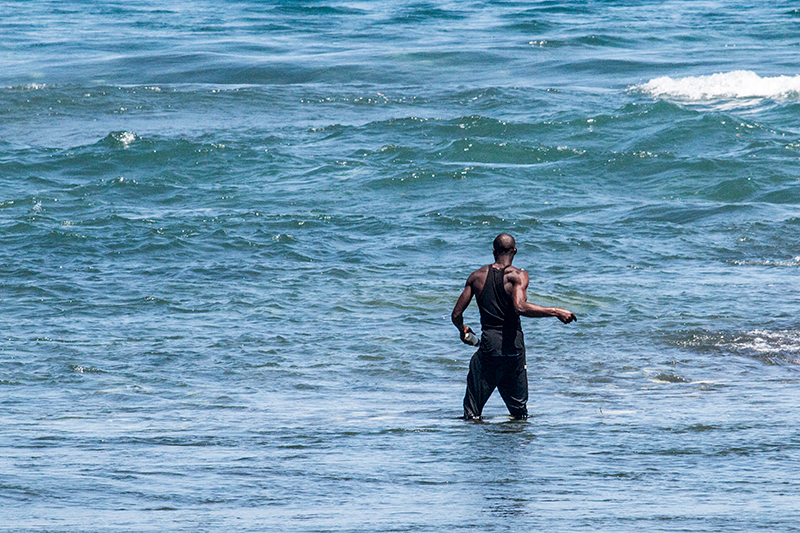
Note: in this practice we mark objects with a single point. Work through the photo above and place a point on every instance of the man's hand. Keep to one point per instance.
(565, 316)
(464, 331)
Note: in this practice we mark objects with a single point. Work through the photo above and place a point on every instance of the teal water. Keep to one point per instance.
(231, 236)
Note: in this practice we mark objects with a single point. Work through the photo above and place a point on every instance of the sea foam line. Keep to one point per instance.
(736, 84)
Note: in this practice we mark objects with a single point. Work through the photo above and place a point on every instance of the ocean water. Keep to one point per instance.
(232, 233)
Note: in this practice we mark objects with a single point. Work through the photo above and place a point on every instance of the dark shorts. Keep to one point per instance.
(507, 373)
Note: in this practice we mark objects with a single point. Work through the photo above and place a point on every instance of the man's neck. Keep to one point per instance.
(503, 262)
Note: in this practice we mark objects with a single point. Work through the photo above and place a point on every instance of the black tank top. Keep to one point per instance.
(501, 330)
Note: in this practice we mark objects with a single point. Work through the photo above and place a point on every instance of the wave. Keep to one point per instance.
(736, 84)
(120, 138)
(794, 262)
(28, 87)
(773, 347)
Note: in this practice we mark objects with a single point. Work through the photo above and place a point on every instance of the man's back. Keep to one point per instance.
(500, 324)
(511, 275)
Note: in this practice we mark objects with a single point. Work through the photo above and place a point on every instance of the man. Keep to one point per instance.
(501, 291)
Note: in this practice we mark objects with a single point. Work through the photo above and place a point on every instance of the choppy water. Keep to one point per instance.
(231, 234)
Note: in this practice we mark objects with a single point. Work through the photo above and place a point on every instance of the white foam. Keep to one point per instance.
(736, 84)
(127, 138)
(29, 87)
(794, 262)
(765, 341)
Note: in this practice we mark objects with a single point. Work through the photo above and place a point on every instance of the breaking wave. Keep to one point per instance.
(736, 84)
(772, 347)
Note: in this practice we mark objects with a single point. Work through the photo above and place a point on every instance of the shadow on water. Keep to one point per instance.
(498, 464)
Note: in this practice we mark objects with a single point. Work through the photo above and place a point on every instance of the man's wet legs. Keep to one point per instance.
(513, 386)
(480, 385)
(506, 373)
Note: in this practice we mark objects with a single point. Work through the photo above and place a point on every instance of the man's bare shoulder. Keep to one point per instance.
(516, 275)
(479, 274)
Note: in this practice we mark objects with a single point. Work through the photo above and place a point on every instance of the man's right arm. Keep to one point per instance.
(525, 308)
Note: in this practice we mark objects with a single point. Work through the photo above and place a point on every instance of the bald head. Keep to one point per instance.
(504, 244)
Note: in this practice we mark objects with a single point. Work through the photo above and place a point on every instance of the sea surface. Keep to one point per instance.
(232, 234)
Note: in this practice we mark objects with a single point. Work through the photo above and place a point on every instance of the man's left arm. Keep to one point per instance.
(457, 316)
